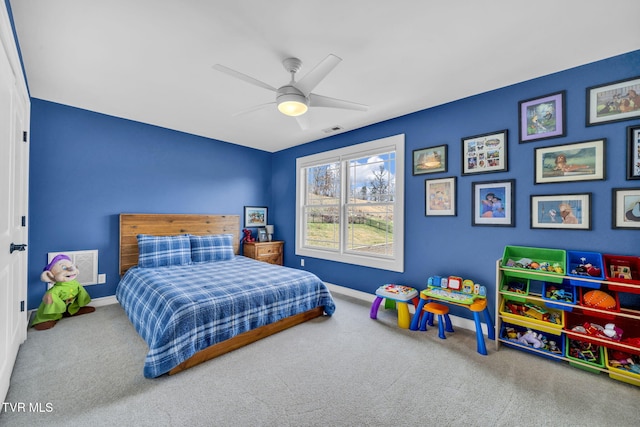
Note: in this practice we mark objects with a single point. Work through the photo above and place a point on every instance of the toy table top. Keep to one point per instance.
(397, 292)
(457, 297)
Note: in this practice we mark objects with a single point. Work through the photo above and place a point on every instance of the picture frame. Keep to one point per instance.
(633, 152)
(440, 197)
(561, 211)
(625, 208)
(613, 102)
(542, 117)
(485, 153)
(262, 235)
(581, 161)
(255, 216)
(430, 160)
(493, 203)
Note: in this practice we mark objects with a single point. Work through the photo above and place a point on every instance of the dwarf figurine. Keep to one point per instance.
(66, 298)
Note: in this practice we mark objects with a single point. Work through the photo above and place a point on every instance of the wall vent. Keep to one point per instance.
(87, 263)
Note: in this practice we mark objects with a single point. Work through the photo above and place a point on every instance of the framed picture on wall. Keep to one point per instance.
(542, 118)
(633, 152)
(583, 161)
(493, 203)
(613, 102)
(484, 153)
(430, 160)
(626, 208)
(255, 216)
(440, 196)
(561, 211)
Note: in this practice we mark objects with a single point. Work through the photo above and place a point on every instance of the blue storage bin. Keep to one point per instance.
(562, 292)
(576, 262)
(553, 347)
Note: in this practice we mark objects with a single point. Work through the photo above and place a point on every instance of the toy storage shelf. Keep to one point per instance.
(623, 315)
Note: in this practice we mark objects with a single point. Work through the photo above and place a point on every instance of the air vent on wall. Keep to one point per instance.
(87, 263)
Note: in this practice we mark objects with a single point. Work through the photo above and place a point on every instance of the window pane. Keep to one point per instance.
(350, 204)
(370, 229)
(372, 178)
(323, 184)
(322, 227)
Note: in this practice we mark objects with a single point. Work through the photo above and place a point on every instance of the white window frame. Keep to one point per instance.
(392, 263)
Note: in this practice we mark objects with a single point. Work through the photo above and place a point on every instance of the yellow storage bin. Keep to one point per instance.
(529, 313)
(617, 372)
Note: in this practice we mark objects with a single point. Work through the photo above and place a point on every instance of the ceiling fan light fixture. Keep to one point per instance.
(292, 108)
(291, 102)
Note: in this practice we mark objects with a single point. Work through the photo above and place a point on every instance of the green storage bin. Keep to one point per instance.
(515, 287)
(552, 257)
(575, 351)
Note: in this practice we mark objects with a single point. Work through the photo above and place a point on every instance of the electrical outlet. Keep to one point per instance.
(102, 278)
(302, 262)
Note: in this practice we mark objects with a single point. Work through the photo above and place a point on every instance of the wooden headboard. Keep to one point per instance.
(168, 225)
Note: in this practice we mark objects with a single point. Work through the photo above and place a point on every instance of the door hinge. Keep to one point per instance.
(22, 305)
(24, 136)
(24, 221)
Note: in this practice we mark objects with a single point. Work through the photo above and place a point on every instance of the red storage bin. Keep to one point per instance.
(591, 325)
(623, 269)
(600, 299)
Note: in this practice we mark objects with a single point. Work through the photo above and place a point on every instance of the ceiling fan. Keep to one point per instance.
(295, 98)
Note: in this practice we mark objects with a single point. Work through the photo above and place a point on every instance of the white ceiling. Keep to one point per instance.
(151, 60)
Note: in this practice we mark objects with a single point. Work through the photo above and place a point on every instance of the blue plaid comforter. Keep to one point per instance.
(181, 310)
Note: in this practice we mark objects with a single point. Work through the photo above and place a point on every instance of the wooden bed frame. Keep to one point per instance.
(171, 224)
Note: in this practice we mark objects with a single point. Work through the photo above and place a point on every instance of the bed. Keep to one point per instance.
(191, 297)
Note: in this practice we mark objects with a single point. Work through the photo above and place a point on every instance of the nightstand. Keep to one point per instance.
(271, 252)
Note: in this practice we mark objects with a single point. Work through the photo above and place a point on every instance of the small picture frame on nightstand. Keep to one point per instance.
(262, 235)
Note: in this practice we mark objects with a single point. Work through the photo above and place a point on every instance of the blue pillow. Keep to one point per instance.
(213, 247)
(162, 251)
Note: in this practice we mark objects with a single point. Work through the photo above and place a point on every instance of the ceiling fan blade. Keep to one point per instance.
(254, 108)
(325, 101)
(303, 121)
(244, 77)
(319, 72)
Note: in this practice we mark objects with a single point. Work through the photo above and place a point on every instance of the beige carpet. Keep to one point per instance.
(345, 370)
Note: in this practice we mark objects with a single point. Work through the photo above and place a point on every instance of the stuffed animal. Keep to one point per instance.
(66, 298)
(248, 238)
(530, 338)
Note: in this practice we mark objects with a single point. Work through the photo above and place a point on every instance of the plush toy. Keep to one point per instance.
(66, 298)
(248, 238)
(530, 338)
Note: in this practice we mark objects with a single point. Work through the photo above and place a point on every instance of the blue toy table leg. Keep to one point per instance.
(429, 319)
(374, 308)
(482, 349)
(490, 328)
(441, 334)
(416, 317)
(447, 322)
(423, 321)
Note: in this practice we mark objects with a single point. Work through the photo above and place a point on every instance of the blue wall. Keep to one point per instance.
(451, 245)
(86, 168)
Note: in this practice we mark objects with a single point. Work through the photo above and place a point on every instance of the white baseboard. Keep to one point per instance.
(100, 302)
(459, 322)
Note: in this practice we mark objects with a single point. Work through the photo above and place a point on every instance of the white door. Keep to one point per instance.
(14, 169)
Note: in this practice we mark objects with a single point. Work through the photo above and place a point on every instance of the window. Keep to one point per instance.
(350, 204)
